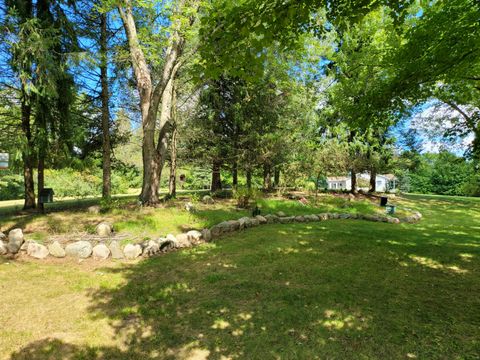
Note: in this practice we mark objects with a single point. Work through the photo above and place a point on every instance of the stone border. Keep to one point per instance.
(84, 249)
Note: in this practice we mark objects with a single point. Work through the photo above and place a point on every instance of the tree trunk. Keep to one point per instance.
(267, 178)
(276, 178)
(373, 180)
(150, 99)
(172, 186)
(107, 183)
(41, 177)
(216, 176)
(235, 174)
(27, 155)
(354, 181)
(249, 179)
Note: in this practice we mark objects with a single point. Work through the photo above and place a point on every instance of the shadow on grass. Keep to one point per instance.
(343, 289)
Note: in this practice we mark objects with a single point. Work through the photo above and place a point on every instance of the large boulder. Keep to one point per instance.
(207, 199)
(206, 235)
(132, 251)
(36, 250)
(171, 237)
(79, 249)
(194, 236)
(15, 240)
(104, 229)
(182, 241)
(101, 252)
(56, 250)
(116, 250)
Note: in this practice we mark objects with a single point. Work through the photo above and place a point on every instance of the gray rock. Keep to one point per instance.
(101, 252)
(104, 229)
(3, 248)
(190, 207)
(94, 209)
(287, 219)
(15, 240)
(3, 237)
(281, 214)
(245, 222)
(152, 248)
(299, 219)
(215, 231)
(345, 216)
(322, 217)
(394, 220)
(271, 219)
(116, 250)
(25, 245)
(132, 251)
(261, 219)
(207, 199)
(194, 235)
(233, 225)
(165, 244)
(171, 237)
(37, 250)
(182, 241)
(207, 235)
(56, 250)
(311, 217)
(79, 249)
(254, 221)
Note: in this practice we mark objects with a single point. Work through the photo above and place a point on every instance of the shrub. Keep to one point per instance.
(245, 197)
(11, 186)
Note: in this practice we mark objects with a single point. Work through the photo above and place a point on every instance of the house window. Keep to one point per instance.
(334, 185)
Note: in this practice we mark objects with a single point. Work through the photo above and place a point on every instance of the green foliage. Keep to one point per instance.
(443, 174)
(246, 197)
(11, 186)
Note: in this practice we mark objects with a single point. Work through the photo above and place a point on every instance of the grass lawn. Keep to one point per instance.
(339, 289)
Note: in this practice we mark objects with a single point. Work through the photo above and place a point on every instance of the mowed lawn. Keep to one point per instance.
(341, 289)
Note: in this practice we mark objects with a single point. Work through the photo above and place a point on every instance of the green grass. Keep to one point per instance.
(139, 223)
(331, 290)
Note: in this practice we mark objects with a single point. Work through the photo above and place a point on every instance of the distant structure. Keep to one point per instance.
(384, 183)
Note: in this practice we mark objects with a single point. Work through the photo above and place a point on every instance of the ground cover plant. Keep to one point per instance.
(338, 289)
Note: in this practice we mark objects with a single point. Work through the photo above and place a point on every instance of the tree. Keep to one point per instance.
(156, 96)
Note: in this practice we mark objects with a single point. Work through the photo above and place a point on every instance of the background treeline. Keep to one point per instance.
(98, 97)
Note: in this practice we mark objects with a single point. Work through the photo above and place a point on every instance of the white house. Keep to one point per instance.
(387, 182)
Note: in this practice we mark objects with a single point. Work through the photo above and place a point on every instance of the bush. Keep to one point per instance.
(11, 186)
(245, 197)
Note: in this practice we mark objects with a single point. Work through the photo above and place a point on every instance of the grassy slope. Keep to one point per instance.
(142, 223)
(335, 290)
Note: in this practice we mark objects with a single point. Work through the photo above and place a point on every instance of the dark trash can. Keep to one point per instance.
(383, 201)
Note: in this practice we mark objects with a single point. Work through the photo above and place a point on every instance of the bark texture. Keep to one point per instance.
(105, 95)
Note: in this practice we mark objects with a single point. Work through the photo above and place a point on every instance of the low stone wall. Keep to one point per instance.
(100, 250)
